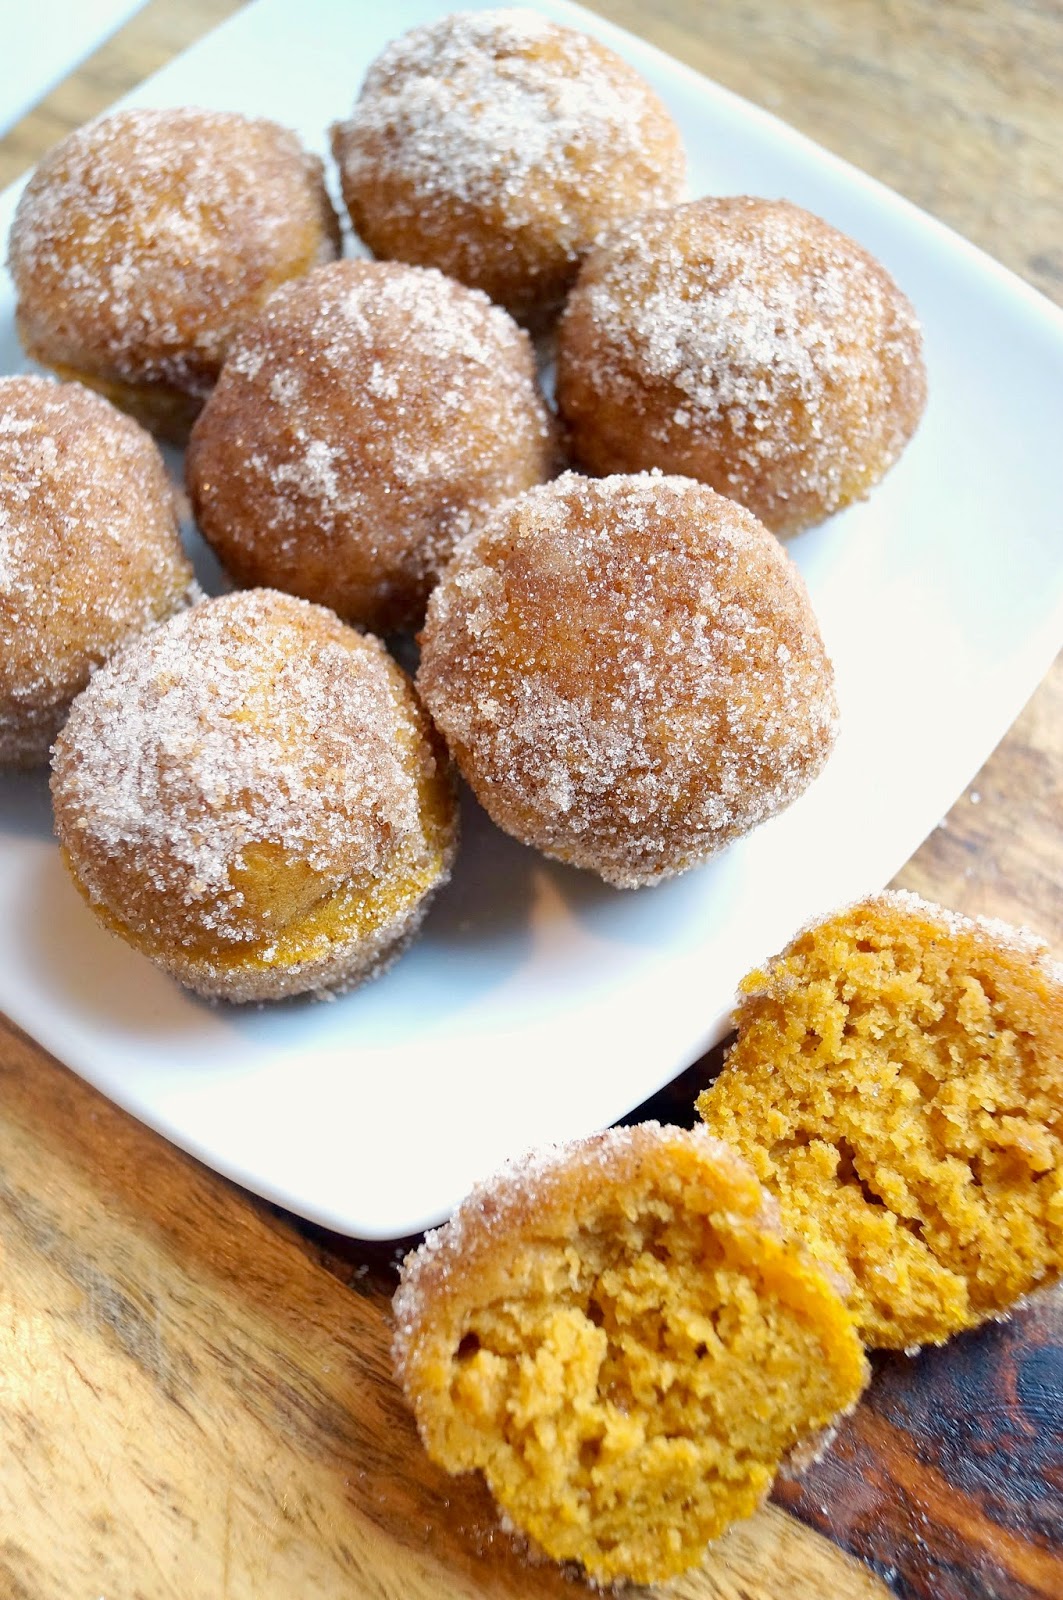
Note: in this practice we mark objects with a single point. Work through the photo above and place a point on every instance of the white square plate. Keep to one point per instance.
(540, 1004)
(45, 41)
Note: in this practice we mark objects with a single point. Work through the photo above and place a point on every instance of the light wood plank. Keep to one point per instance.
(194, 1400)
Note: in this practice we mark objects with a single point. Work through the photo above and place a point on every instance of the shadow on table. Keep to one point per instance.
(25, 805)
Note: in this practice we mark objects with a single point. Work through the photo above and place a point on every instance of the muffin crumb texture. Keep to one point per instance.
(618, 1336)
(897, 1084)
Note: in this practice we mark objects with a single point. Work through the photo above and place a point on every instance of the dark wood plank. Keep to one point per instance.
(948, 1481)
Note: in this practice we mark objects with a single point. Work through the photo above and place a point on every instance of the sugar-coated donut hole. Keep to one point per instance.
(628, 672)
(372, 416)
(146, 239)
(617, 1335)
(497, 145)
(897, 1084)
(253, 797)
(748, 344)
(90, 551)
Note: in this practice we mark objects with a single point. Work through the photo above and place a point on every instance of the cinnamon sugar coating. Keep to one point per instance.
(628, 673)
(617, 1335)
(146, 239)
(746, 343)
(497, 145)
(90, 551)
(897, 1084)
(362, 425)
(252, 796)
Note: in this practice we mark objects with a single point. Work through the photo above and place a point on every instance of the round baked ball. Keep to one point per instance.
(746, 343)
(617, 1335)
(897, 1084)
(146, 239)
(252, 796)
(371, 417)
(628, 673)
(497, 145)
(90, 551)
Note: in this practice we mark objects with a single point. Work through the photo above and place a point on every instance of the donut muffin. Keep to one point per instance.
(617, 1335)
(749, 344)
(628, 673)
(252, 797)
(497, 145)
(146, 239)
(371, 416)
(897, 1084)
(90, 551)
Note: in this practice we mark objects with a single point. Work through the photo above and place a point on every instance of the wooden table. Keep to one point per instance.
(195, 1398)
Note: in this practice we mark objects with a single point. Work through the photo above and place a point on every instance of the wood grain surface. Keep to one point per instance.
(195, 1395)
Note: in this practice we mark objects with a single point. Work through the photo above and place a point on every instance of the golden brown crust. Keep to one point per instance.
(373, 415)
(164, 411)
(253, 797)
(746, 343)
(146, 239)
(628, 672)
(897, 1084)
(497, 146)
(90, 551)
(617, 1335)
